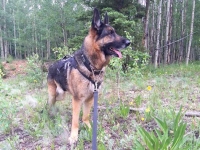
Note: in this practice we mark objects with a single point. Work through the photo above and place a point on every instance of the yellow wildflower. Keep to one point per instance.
(130, 103)
(149, 88)
(142, 119)
(147, 110)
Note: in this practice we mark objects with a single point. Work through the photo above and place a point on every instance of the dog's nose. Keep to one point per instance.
(127, 42)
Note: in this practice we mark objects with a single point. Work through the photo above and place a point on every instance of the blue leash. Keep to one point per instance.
(95, 118)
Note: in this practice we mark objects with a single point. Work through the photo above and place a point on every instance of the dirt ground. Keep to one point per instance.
(14, 68)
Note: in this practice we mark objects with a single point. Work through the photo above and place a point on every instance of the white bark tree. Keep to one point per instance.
(158, 34)
(191, 34)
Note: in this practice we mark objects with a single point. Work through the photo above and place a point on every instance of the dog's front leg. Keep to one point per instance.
(86, 111)
(76, 107)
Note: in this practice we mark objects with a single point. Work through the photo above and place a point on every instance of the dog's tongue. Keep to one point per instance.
(118, 53)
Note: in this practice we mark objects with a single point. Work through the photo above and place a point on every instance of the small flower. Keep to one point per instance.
(147, 110)
(142, 119)
(35, 81)
(130, 103)
(149, 88)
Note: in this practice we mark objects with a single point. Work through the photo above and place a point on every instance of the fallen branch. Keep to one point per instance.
(187, 113)
(142, 110)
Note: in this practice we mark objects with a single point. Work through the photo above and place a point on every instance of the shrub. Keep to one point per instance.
(60, 52)
(2, 71)
(34, 70)
(134, 61)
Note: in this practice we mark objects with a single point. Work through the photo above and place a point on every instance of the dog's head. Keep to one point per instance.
(107, 39)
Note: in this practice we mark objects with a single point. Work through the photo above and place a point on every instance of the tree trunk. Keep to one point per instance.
(191, 34)
(167, 32)
(158, 34)
(5, 43)
(64, 36)
(48, 48)
(170, 33)
(1, 44)
(152, 34)
(146, 24)
(14, 32)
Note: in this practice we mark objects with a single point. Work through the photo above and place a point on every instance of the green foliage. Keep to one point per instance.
(2, 72)
(7, 113)
(132, 62)
(34, 70)
(9, 59)
(61, 52)
(124, 110)
(164, 137)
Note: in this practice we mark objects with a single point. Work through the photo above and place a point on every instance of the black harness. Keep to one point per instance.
(72, 62)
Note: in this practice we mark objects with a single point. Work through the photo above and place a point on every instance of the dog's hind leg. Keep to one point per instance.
(51, 92)
(76, 107)
(86, 111)
(60, 94)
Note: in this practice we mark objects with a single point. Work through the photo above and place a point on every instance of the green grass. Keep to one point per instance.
(24, 125)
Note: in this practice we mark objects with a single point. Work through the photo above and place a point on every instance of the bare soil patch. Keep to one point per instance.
(14, 68)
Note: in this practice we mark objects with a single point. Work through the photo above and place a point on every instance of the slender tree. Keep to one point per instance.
(158, 34)
(191, 34)
(167, 32)
(146, 24)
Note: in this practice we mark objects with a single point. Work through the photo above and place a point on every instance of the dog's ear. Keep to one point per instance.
(106, 19)
(96, 21)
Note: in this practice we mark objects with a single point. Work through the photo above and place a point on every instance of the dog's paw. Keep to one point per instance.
(73, 139)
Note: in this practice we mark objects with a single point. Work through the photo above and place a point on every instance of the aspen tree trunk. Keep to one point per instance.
(146, 24)
(152, 34)
(170, 32)
(5, 43)
(167, 32)
(48, 48)
(191, 34)
(1, 44)
(14, 28)
(35, 37)
(64, 36)
(183, 27)
(158, 34)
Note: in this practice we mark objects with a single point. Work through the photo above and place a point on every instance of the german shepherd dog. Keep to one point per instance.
(84, 71)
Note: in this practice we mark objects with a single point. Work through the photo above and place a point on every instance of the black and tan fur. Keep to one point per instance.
(99, 46)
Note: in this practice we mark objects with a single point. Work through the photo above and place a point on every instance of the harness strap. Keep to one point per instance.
(75, 65)
(87, 64)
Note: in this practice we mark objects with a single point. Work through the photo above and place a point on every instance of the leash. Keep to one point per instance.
(95, 118)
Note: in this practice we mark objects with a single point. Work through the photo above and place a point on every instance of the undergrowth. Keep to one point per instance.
(142, 111)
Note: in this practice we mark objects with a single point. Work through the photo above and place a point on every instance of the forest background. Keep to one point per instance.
(161, 31)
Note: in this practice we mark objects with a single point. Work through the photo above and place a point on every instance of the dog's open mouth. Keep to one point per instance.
(116, 52)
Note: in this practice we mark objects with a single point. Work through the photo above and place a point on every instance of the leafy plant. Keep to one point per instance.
(164, 138)
(133, 61)
(2, 71)
(9, 59)
(61, 52)
(7, 114)
(34, 70)
(124, 110)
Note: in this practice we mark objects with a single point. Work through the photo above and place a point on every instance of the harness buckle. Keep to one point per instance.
(83, 58)
(95, 86)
